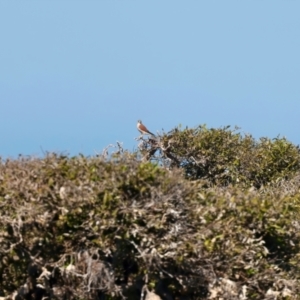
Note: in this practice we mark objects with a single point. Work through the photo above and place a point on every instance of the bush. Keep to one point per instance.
(191, 226)
(224, 156)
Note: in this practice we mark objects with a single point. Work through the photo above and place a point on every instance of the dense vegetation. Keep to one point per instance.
(193, 214)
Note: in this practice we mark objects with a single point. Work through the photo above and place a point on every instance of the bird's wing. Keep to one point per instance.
(144, 128)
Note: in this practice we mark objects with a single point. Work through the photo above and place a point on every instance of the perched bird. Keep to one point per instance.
(142, 128)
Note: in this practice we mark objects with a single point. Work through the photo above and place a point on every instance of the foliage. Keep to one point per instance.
(225, 156)
(115, 228)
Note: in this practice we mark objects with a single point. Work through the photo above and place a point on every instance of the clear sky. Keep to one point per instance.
(75, 76)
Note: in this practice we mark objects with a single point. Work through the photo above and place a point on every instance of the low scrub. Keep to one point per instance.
(224, 156)
(118, 228)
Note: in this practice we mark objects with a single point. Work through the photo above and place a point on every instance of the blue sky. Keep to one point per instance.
(75, 76)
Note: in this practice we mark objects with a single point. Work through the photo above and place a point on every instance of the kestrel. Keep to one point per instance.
(142, 128)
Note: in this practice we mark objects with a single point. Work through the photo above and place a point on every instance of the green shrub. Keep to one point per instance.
(111, 228)
(224, 156)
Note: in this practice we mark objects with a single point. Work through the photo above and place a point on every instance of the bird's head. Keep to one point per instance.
(139, 122)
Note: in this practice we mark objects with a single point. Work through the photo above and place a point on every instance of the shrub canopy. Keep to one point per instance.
(224, 156)
(216, 216)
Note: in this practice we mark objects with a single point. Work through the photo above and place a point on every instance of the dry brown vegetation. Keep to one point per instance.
(216, 217)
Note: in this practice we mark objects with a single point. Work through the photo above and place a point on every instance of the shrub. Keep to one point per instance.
(216, 215)
(224, 156)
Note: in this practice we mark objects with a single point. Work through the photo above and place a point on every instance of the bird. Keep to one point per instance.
(142, 128)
